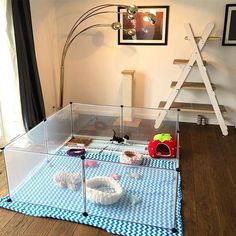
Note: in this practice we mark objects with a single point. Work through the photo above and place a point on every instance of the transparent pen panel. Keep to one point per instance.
(131, 193)
(140, 124)
(96, 121)
(59, 129)
(32, 141)
(48, 180)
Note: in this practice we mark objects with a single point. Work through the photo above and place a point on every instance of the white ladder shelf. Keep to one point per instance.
(197, 44)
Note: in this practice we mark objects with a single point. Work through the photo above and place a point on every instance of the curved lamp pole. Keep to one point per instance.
(97, 10)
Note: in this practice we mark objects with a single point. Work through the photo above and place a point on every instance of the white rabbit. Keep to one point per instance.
(67, 180)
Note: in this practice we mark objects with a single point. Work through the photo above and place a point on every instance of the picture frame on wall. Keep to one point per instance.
(229, 33)
(147, 33)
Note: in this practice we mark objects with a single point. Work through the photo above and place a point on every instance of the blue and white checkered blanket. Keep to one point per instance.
(154, 214)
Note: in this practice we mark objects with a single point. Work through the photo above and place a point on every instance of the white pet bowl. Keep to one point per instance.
(131, 158)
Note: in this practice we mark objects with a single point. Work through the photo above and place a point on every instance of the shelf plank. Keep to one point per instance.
(192, 107)
(184, 61)
(192, 85)
(211, 38)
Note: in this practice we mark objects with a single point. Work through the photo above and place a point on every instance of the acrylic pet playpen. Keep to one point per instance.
(94, 160)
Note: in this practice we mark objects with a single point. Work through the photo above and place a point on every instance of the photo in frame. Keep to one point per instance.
(146, 32)
(229, 33)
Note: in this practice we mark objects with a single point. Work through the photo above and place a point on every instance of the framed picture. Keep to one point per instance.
(147, 32)
(229, 34)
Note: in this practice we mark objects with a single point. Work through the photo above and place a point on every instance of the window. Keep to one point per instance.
(11, 123)
(1, 132)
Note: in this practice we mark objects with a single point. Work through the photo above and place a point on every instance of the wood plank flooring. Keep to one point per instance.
(208, 168)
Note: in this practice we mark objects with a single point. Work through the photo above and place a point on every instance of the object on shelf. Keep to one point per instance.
(79, 141)
(204, 121)
(103, 190)
(199, 120)
(162, 145)
(131, 157)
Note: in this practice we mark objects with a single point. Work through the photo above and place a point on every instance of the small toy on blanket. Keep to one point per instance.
(134, 199)
(68, 180)
(115, 176)
(90, 163)
(133, 175)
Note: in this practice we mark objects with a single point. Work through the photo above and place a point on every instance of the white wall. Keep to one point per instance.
(95, 61)
(44, 21)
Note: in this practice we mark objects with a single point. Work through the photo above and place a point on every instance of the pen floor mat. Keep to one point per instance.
(150, 204)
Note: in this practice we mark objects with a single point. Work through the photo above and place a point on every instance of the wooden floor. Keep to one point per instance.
(208, 164)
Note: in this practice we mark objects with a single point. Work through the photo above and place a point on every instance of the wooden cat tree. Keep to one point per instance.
(197, 44)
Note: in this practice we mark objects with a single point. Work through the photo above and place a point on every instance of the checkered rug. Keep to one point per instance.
(153, 214)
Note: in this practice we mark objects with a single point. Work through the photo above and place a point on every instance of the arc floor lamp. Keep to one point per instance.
(76, 30)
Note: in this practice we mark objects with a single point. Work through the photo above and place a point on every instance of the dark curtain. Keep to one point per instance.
(32, 104)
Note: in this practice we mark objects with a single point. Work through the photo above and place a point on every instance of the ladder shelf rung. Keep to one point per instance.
(192, 85)
(211, 38)
(184, 61)
(192, 107)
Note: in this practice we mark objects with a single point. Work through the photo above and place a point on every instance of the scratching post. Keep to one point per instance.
(127, 93)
